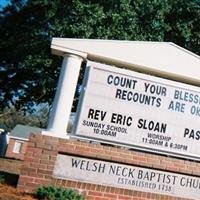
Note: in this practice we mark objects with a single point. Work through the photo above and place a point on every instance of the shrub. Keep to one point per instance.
(2, 179)
(57, 193)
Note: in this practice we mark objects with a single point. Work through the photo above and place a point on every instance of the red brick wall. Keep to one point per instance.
(41, 155)
(11, 154)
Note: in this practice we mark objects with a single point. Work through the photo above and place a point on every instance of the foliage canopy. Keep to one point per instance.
(28, 71)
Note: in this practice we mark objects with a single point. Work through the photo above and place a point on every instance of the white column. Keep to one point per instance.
(60, 113)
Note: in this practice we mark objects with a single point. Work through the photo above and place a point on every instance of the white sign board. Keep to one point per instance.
(141, 111)
(126, 176)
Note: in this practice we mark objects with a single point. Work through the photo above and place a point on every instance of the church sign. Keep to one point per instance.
(140, 111)
(126, 176)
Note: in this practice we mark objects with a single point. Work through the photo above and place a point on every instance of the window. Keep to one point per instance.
(17, 147)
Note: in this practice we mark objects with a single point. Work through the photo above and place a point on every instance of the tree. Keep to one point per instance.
(183, 21)
(28, 71)
(10, 117)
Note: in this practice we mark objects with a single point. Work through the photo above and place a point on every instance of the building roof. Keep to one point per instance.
(164, 59)
(23, 132)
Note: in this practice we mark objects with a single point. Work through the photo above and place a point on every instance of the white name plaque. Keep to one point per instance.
(140, 111)
(126, 176)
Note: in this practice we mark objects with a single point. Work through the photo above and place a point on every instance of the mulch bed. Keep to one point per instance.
(11, 193)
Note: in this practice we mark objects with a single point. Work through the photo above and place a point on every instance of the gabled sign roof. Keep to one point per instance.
(164, 59)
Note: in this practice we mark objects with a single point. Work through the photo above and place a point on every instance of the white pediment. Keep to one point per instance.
(159, 58)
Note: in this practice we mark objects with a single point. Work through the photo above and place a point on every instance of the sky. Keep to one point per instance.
(3, 3)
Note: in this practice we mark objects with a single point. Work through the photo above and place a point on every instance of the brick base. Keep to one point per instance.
(40, 158)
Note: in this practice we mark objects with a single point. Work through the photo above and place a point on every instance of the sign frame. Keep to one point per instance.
(160, 80)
